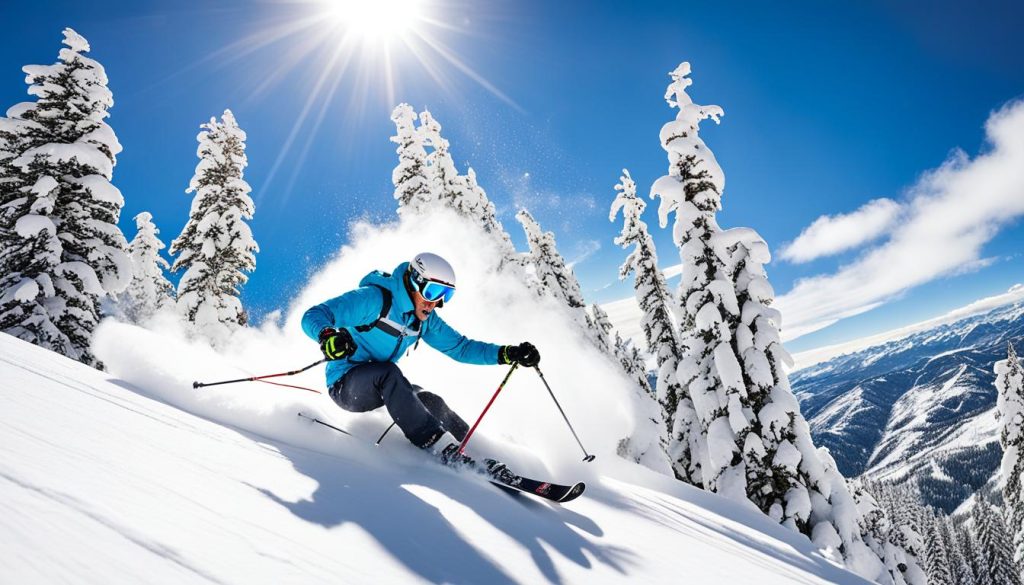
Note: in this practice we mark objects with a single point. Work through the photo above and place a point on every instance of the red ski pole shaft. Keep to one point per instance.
(258, 378)
(465, 441)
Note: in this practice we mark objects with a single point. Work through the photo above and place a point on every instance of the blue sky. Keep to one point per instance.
(826, 108)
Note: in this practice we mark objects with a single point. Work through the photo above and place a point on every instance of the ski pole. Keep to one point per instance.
(260, 378)
(328, 425)
(384, 434)
(462, 446)
(586, 456)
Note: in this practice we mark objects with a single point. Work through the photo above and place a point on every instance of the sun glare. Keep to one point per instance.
(360, 49)
(376, 20)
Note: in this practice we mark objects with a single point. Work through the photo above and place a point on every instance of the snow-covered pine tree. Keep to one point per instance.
(463, 194)
(552, 275)
(61, 251)
(412, 185)
(29, 249)
(979, 565)
(556, 278)
(751, 440)
(958, 565)
(216, 246)
(612, 342)
(603, 329)
(1010, 410)
(737, 461)
(634, 361)
(149, 290)
(656, 304)
(876, 553)
(938, 566)
(994, 543)
(443, 182)
(876, 530)
(488, 217)
(691, 190)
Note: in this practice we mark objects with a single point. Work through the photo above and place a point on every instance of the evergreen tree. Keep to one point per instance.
(692, 186)
(1010, 410)
(29, 256)
(61, 251)
(149, 290)
(994, 543)
(412, 185)
(611, 342)
(444, 182)
(603, 329)
(488, 217)
(216, 246)
(939, 567)
(656, 303)
(958, 565)
(652, 292)
(742, 459)
(751, 440)
(550, 270)
(463, 194)
(975, 557)
(888, 526)
(556, 278)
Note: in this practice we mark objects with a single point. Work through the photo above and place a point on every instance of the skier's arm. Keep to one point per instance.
(357, 307)
(443, 338)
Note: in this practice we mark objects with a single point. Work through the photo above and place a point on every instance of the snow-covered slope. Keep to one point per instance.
(101, 484)
(920, 406)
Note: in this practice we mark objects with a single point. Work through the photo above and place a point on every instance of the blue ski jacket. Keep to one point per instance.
(394, 334)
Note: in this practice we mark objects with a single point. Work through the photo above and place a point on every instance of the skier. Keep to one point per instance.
(366, 330)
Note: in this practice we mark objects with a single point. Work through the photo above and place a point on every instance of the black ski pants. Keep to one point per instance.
(423, 416)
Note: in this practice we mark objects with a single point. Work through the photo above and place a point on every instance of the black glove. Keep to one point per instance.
(524, 354)
(336, 343)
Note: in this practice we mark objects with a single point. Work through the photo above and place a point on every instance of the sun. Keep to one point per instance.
(353, 54)
(376, 20)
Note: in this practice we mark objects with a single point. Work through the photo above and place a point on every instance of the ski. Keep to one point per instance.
(504, 478)
(500, 475)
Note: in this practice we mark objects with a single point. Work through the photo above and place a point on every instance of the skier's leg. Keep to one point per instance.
(382, 383)
(355, 391)
(452, 422)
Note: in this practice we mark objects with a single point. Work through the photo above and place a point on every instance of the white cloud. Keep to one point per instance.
(584, 250)
(830, 235)
(821, 354)
(951, 213)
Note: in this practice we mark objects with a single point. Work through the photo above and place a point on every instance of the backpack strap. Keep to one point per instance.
(384, 309)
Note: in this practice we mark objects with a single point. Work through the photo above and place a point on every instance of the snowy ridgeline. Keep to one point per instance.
(101, 484)
(133, 476)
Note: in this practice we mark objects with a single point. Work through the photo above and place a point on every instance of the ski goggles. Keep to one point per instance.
(431, 290)
(434, 291)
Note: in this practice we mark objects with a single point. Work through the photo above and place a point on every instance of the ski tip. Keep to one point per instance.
(574, 492)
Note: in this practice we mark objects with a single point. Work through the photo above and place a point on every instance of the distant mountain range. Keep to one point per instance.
(921, 407)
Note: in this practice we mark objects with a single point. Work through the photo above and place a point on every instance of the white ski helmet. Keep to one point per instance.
(432, 276)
